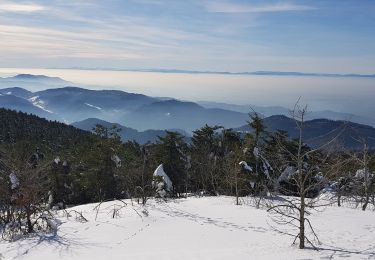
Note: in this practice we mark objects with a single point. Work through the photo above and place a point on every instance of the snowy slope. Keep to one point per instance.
(195, 228)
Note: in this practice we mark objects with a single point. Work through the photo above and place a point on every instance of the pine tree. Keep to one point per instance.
(171, 151)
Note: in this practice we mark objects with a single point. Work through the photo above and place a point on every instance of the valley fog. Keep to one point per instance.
(320, 93)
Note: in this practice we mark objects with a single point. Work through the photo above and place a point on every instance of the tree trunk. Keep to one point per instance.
(367, 199)
(28, 220)
(237, 201)
(236, 186)
(302, 223)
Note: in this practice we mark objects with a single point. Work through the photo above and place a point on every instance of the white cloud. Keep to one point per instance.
(50, 43)
(226, 7)
(20, 8)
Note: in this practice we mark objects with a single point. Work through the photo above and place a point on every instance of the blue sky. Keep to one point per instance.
(240, 35)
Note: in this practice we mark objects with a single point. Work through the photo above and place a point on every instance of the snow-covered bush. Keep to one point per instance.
(161, 182)
(24, 194)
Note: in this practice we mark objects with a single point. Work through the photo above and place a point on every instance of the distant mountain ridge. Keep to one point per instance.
(70, 104)
(29, 81)
(267, 111)
(137, 113)
(318, 132)
(37, 78)
(256, 73)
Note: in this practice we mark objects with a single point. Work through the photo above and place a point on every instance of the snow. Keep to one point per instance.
(14, 181)
(362, 174)
(160, 190)
(116, 160)
(50, 199)
(193, 228)
(288, 173)
(160, 172)
(266, 165)
(256, 152)
(39, 103)
(57, 160)
(246, 166)
(33, 99)
(98, 108)
(265, 169)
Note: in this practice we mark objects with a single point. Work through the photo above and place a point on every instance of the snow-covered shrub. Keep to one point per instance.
(161, 182)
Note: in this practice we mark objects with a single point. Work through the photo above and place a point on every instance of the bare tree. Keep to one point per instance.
(235, 175)
(305, 173)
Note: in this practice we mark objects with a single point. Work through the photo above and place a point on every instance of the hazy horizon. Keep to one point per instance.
(319, 93)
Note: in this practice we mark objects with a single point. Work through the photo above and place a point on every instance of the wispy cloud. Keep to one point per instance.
(49, 43)
(20, 8)
(226, 7)
(193, 34)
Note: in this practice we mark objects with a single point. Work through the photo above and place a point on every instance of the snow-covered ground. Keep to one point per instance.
(194, 228)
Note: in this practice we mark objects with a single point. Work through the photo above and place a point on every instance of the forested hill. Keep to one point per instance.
(19, 126)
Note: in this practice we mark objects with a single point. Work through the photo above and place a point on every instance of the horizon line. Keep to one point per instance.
(255, 73)
(212, 72)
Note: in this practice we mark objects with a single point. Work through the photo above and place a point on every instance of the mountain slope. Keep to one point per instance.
(16, 91)
(184, 115)
(21, 104)
(320, 131)
(19, 126)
